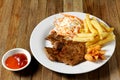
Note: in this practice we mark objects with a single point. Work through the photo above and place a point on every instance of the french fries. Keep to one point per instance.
(90, 27)
(106, 28)
(89, 43)
(86, 26)
(107, 39)
(98, 27)
(95, 32)
(84, 37)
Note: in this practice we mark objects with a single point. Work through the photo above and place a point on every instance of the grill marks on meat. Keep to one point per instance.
(65, 51)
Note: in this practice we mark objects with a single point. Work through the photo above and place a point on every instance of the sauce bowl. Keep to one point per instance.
(13, 52)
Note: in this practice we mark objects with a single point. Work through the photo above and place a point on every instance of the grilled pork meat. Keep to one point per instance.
(65, 51)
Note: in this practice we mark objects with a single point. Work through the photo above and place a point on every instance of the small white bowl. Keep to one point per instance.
(12, 52)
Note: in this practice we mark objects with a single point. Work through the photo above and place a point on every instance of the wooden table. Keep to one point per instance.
(18, 18)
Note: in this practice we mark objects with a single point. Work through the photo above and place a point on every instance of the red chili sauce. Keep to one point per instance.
(16, 61)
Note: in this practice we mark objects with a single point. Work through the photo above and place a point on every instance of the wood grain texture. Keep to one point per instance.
(18, 18)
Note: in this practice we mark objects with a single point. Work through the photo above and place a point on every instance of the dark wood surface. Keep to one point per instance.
(18, 18)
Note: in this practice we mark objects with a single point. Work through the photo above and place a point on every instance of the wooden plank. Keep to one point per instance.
(104, 11)
(68, 77)
(82, 76)
(104, 72)
(57, 76)
(46, 74)
(92, 7)
(54, 6)
(78, 5)
(41, 10)
(68, 5)
(23, 24)
(13, 26)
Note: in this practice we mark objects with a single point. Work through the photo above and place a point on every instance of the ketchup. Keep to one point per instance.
(16, 61)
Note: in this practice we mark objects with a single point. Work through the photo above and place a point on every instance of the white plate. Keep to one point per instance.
(37, 44)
